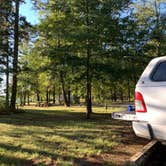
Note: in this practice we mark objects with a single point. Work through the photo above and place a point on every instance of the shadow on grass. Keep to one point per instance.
(86, 162)
(54, 118)
(67, 132)
(14, 149)
(47, 118)
(8, 160)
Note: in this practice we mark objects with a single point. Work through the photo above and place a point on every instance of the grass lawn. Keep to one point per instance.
(62, 136)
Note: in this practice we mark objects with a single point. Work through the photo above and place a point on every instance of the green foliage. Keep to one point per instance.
(70, 29)
(105, 44)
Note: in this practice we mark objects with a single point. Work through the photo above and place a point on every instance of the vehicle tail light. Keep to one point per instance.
(139, 103)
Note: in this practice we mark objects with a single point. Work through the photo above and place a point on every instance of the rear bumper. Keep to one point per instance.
(141, 129)
(124, 115)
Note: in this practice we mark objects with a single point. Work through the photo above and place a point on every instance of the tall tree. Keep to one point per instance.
(84, 31)
(15, 56)
(6, 18)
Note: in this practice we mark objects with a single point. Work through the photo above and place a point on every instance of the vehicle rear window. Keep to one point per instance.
(160, 72)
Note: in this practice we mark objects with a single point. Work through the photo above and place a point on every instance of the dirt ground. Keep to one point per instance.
(129, 146)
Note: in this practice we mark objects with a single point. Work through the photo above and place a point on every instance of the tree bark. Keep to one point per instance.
(53, 94)
(69, 96)
(158, 29)
(115, 94)
(129, 91)
(63, 90)
(28, 98)
(121, 95)
(7, 78)
(24, 98)
(15, 57)
(47, 97)
(59, 96)
(21, 100)
(88, 87)
(88, 68)
(88, 100)
(38, 98)
(88, 75)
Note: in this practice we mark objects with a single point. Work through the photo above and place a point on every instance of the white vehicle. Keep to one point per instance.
(149, 118)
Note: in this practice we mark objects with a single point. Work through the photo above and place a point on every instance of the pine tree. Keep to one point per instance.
(15, 57)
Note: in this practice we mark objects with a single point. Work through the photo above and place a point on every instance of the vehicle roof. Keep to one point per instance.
(145, 79)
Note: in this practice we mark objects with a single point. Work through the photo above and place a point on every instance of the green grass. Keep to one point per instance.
(57, 136)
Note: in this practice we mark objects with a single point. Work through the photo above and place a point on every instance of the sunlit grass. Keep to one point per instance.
(56, 135)
(78, 108)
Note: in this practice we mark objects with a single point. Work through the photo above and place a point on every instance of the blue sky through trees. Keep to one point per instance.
(28, 11)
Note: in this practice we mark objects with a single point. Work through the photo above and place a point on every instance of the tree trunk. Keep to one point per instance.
(129, 91)
(7, 79)
(28, 100)
(53, 95)
(21, 99)
(88, 88)
(24, 98)
(59, 96)
(88, 100)
(6, 46)
(88, 76)
(15, 57)
(38, 99)
(63, 90)
(112, 96)
(158, 28)
(69, 96)
(47, 97)
(121, 95)
(115, 94)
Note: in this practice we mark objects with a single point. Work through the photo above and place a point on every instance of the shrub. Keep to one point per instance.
(3, 109)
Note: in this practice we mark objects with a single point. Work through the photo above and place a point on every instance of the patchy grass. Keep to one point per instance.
(62, 136)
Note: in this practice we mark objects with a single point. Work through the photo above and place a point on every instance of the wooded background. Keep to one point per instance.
(81, 52)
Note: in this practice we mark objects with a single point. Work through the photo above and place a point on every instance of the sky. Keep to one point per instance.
(28, 11)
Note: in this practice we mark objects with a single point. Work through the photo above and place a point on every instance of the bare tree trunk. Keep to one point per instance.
(59, 96)
(7, 79)
(15, 57)
(47, 97)
(63, 90)
(129, 91)
(21, 100)
(115, 94)
(112, 95)
(157, 12)
(88, 76)
(6, 45)
(28, 100)
(53, 95)
(69, 96)
(88, 100)
(38, 98)
(24, 98)
(121, 95)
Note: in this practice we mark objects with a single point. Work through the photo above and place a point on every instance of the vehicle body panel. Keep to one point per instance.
(152, 123)
(141, 129)
(154, 94)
